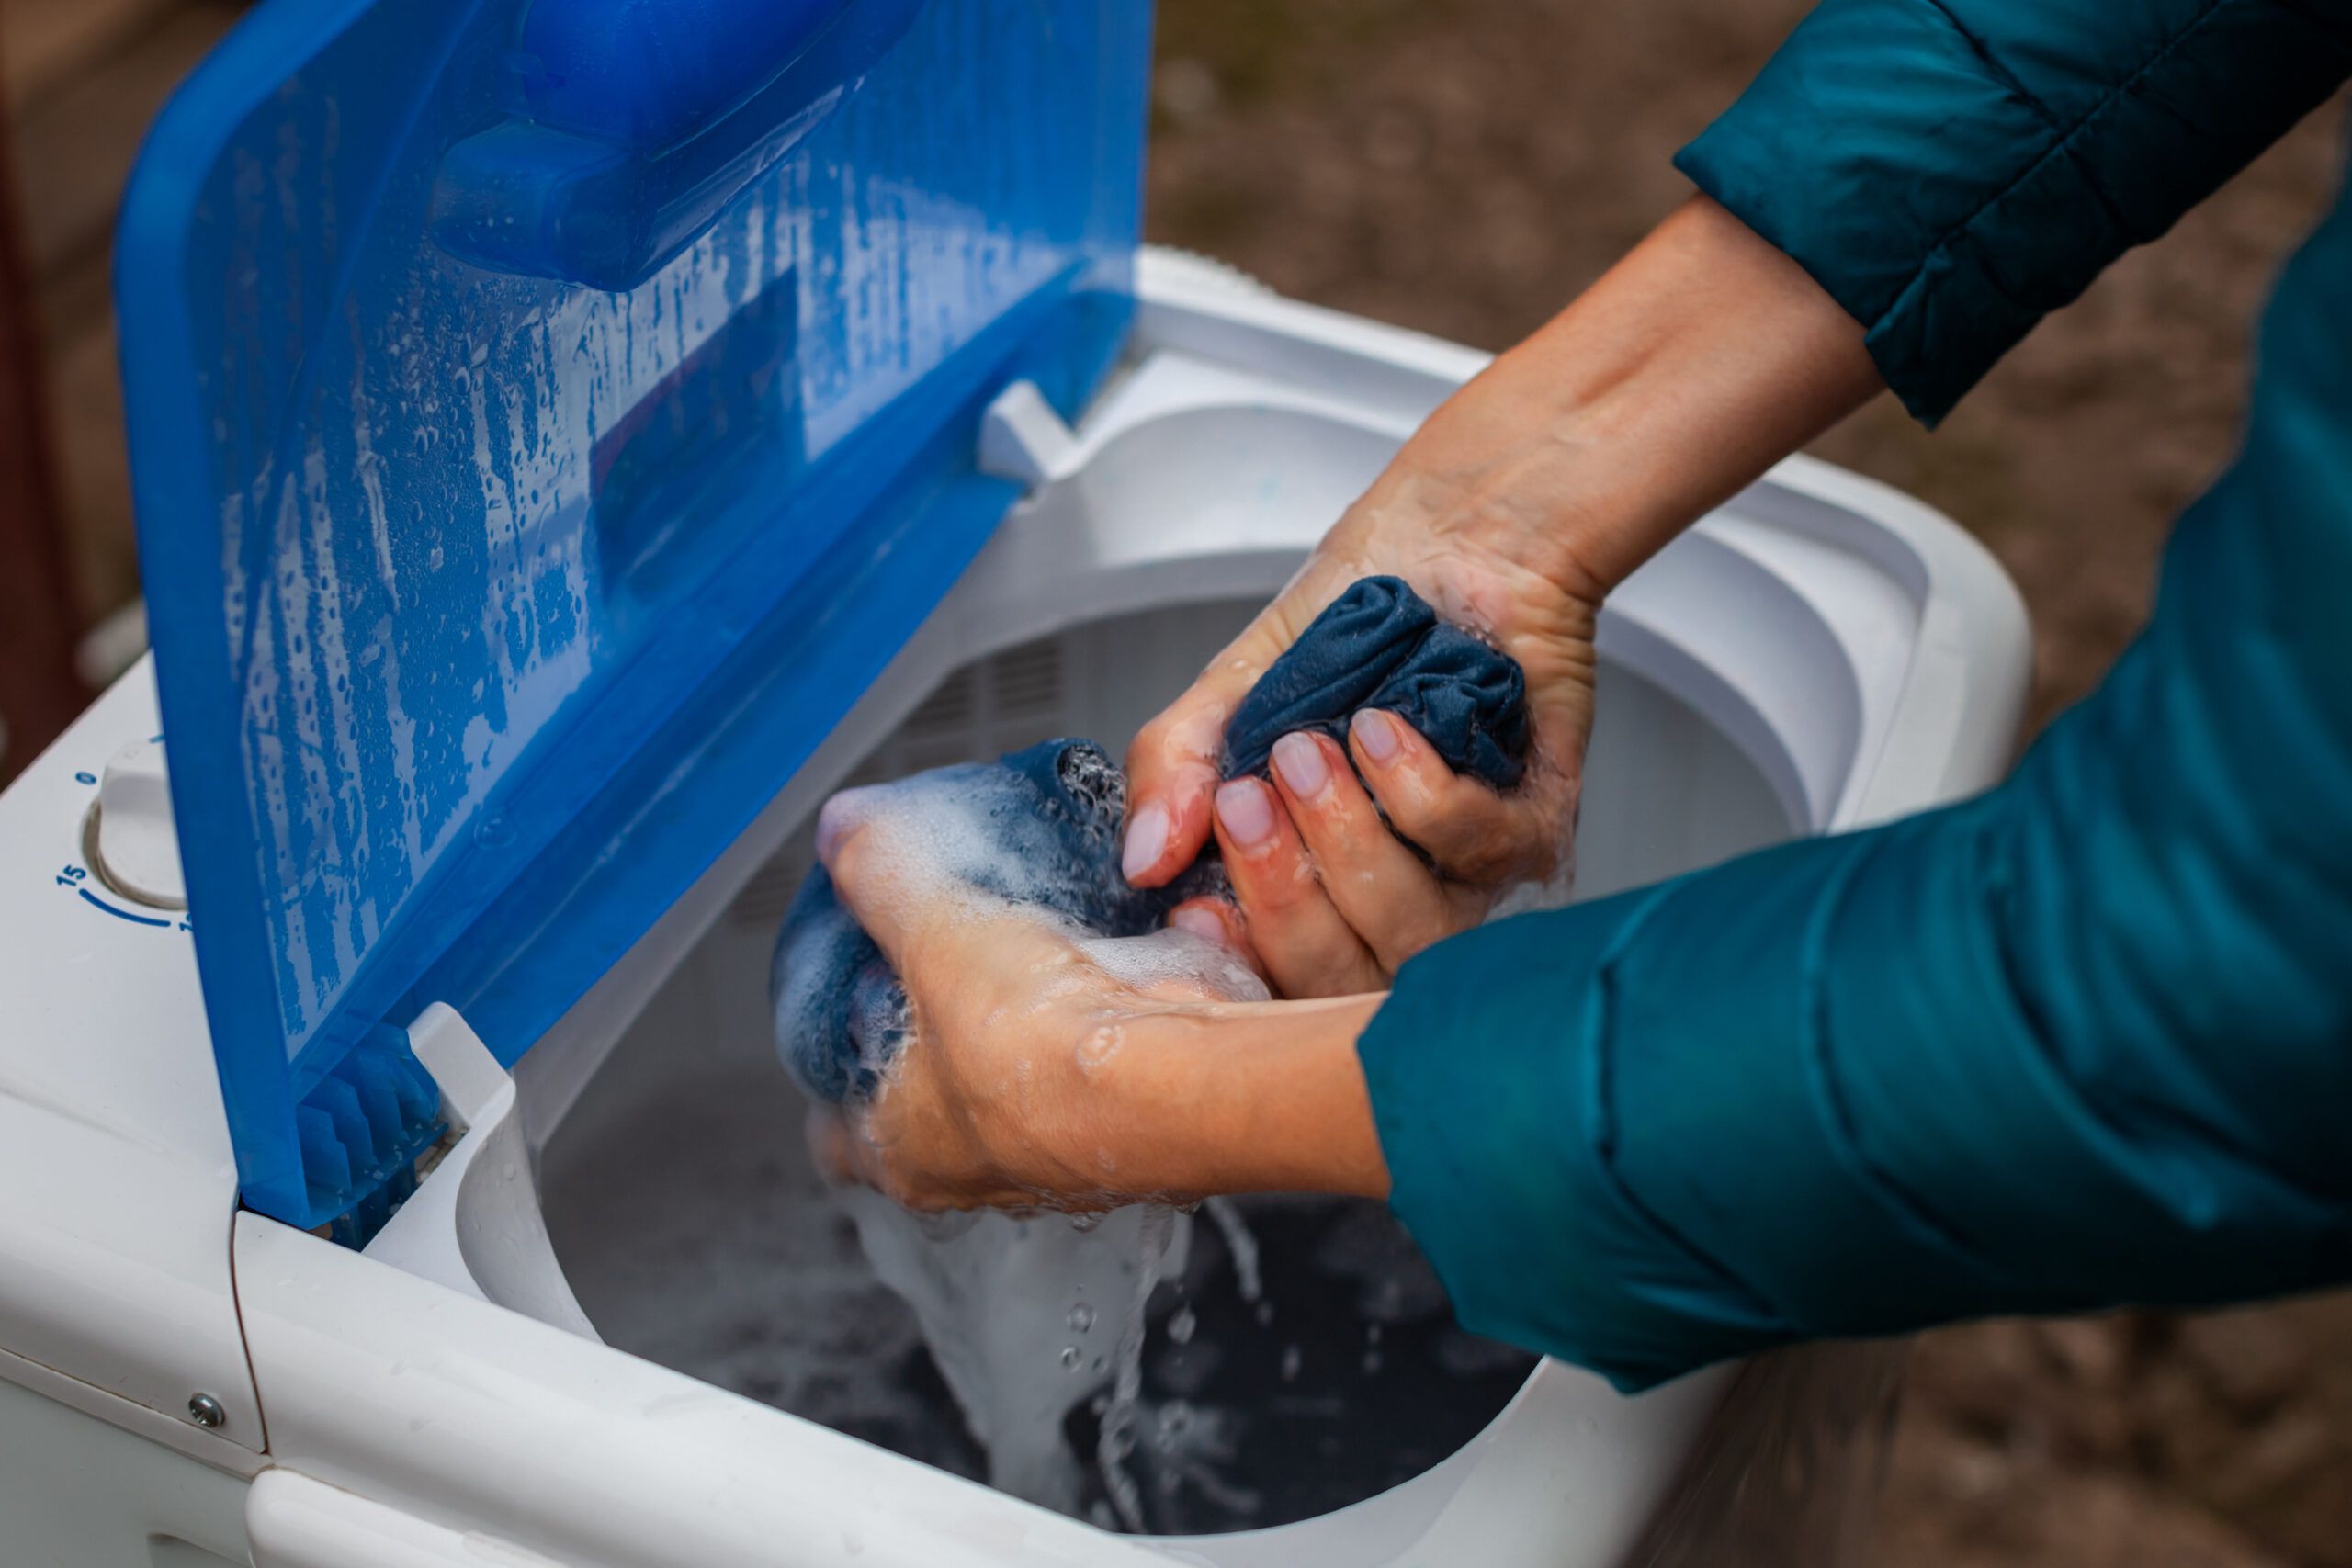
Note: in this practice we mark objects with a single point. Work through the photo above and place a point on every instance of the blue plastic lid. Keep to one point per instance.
(546, 417)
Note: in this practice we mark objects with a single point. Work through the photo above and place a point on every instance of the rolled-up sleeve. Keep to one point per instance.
(1951, 171)
(2081, 1041)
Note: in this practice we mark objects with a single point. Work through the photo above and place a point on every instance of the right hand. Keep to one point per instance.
(1329, 902)
(1695, 364)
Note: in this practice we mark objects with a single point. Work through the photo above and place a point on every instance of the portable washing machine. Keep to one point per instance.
(571, 438)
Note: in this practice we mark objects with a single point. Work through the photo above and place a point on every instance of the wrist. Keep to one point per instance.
(1693, 366)
(1228, 1098)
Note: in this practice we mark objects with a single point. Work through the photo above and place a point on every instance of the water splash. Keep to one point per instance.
(1006, 1304)
(1117, 1440)
(1240, 1246)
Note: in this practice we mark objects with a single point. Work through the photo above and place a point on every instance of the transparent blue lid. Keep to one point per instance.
(546, 417)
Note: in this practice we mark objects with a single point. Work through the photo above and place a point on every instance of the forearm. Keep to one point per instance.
(1247, 1098)
(1693, 366)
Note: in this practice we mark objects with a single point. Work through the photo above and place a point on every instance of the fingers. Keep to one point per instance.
(1303, 943)
(1218, 922)
(1394, 903)
(1172, 773)
(1475, 834)
(833, 1147)
(846, 1153)
(877, 889)
(891, 886)
(1172, 767)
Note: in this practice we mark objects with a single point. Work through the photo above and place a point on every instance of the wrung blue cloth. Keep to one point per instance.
(1381, 646)
(1041, 826)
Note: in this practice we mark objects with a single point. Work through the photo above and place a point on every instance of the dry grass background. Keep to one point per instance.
(1463, 166)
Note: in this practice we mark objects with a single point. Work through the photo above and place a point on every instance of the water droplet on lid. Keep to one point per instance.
(1289, 1363)
(1181, 1325)
(1082, 1318)
(1069, 1357)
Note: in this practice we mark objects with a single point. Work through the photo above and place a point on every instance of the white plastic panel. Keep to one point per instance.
(76, 1492)
(467, 1417)
(295, 1522)
(478, 1227)
(117, 1181)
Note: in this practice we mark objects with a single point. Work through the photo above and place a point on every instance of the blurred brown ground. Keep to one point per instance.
(1463, 166)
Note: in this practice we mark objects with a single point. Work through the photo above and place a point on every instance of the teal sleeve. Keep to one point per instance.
(1952, 170)
(2083, 1041)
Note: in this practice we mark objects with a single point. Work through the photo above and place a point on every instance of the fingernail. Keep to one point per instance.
(1199, 921)
(834, 819)
(1146, 836)
(1300, 763)
(1377, 732)
(1248, 812)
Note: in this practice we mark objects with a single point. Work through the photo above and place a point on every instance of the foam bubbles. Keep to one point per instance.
(1181, 961)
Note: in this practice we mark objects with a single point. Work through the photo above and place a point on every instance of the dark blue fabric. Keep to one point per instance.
(2082, 1042)
(1052, 816)
(1379, 645)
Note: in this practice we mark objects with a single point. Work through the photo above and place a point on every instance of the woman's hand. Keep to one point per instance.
(1328, 900)
(1043, 1070)
(1677, 378)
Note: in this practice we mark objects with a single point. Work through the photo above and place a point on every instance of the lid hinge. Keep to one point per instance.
(363, 1128)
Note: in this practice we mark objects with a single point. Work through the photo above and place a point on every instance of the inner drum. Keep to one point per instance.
(1344, 1377)
(682, 1204)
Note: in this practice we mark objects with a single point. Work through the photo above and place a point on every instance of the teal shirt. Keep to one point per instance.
(2083, 1041)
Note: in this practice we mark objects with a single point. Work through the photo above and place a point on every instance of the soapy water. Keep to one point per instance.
(1119, 1374)
(714, 1249)
(1026, 1316)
